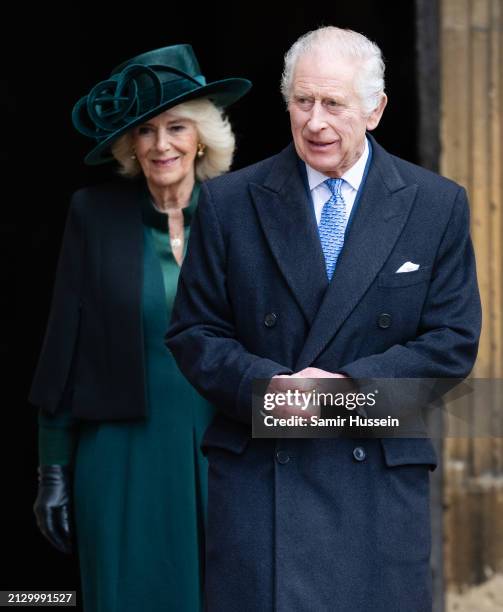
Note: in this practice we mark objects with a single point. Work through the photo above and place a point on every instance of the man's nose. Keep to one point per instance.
(317, 117)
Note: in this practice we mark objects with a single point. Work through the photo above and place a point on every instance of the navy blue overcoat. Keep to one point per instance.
(310, 525)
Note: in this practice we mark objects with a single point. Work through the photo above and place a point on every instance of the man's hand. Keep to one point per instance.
(301, 382)
(317, 373)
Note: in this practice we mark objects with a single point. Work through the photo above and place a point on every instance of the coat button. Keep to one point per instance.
(282, 457)
(384, 320)
(359, 453)
(270, 319)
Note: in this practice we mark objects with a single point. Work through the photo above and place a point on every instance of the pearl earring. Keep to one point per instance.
(200, 149)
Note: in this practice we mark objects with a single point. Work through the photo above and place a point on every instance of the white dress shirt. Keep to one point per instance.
(320, 193)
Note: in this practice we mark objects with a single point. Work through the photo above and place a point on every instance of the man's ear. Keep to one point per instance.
(375, 116)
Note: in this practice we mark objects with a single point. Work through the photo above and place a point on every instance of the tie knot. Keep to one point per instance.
(335, 185)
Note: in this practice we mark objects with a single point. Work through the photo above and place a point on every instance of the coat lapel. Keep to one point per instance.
(381, 215)
(289, 224)
(122, 281)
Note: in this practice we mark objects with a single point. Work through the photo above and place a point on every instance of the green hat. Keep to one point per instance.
(143, 87)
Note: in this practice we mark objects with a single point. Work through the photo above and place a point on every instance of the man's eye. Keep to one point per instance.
(303, 102)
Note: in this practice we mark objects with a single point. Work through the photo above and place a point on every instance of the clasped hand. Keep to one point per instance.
(301, 382)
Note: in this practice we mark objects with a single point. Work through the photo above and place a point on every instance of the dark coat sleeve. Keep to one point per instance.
(202, 336)
(55, 363)
(447, 338)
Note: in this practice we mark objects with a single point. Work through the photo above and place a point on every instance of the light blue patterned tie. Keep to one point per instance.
(332, 225)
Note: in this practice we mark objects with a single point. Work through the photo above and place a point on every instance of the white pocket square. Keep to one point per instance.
(408, 266)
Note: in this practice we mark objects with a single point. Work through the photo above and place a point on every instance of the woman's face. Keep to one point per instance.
(166, 147)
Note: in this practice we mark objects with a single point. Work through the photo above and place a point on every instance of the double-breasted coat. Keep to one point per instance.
(312, 525)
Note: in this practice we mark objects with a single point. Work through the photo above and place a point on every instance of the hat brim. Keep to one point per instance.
(222, 93)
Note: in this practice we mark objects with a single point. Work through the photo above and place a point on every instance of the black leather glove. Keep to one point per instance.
(52, 506)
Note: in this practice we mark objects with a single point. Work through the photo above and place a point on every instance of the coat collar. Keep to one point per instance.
(288, 221)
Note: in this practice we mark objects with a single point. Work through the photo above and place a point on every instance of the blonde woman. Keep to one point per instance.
(120, 427)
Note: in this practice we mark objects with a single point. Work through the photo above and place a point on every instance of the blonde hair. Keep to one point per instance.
(213, 128)
(346, 44)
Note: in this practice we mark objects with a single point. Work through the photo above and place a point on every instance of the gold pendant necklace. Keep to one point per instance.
(176, 240)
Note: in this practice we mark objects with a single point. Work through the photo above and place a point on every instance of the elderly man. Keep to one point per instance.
(332, 258)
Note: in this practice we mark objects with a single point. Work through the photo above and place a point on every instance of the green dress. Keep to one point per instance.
(140, 486)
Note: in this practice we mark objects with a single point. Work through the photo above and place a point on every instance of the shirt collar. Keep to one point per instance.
(353, 176)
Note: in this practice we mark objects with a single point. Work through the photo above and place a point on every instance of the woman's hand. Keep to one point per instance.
(52, 506)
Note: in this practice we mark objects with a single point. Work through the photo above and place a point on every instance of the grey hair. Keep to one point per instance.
(346, 44)
(214, 131)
